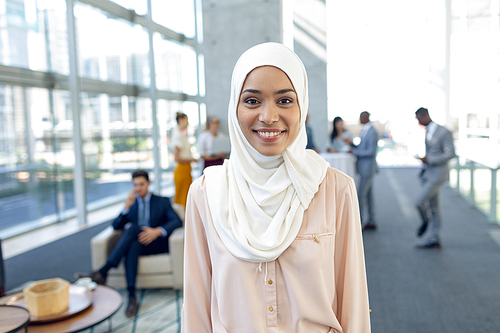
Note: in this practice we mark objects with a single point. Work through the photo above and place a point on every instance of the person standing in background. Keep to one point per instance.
(439, 149)
(340, 139)
(366, 167)
(205, 143)
(183, 157)
(310, 138)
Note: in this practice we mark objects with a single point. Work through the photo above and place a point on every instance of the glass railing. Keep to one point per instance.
(479, 184)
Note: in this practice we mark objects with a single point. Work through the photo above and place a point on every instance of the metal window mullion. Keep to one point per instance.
(130, 15)
(472, 193)
(79, 188)
(153, 95)
(493, 196)
(197, 51)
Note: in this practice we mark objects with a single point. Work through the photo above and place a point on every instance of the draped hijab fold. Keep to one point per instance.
(257, 202)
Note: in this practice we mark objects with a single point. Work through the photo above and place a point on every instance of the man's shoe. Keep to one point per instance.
(422, 228)
(131, 307)
(369, 226)
(429, 245)
(95, 276)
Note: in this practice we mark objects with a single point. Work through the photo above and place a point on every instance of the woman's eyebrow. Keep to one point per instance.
(284, 91)
(253, 91)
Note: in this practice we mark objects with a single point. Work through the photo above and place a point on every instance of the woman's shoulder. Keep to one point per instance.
(337, 178)
(210, 174)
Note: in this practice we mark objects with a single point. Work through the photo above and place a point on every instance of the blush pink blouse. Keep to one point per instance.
(318, 284)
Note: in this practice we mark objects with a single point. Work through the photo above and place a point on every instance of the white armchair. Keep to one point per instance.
(164, 270)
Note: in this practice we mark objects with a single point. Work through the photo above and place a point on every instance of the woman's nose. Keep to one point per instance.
(269, 114)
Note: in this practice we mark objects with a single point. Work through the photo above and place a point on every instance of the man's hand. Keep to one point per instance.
(148, 235)
(424, 160)
(130, 201)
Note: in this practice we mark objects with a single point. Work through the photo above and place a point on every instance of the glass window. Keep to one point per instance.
(175, 66)
(175, 15)
(111, 49)
(32, 33)
(117, 136)
(139, 6)
(36, 156)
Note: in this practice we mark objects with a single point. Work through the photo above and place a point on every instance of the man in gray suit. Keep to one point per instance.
(439, 149)
(366, 167)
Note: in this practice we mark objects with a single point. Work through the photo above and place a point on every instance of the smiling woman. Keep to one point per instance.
(268, 111)
(273, 236)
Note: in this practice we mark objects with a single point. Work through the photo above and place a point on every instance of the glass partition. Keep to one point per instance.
(175, 15)
(479, 184)
(39, 175)
(111, 49)
(36, 157)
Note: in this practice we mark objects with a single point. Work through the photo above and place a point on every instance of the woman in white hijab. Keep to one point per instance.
(273, 237)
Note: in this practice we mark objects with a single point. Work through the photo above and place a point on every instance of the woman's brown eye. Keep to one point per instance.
(251, 101)
(285, 101)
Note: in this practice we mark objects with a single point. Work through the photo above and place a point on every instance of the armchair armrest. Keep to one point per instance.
(180, 210)
(176, 246)
(102, 244)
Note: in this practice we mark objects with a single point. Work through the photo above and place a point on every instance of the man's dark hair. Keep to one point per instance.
(140, 173)
(422, 111)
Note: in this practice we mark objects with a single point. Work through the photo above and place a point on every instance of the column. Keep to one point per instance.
(79, 188)
(230, 27)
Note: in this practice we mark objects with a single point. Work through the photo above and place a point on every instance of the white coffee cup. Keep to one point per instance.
(84, 282)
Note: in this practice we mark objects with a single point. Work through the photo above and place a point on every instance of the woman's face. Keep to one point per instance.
(183, 123)
(339, 125)
(268, 110)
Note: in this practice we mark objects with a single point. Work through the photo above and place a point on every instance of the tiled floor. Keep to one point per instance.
(159, 312)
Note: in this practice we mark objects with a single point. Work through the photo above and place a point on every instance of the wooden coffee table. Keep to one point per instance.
(13, 318)
(105, 304)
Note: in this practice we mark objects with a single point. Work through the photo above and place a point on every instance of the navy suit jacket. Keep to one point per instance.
(161, 214)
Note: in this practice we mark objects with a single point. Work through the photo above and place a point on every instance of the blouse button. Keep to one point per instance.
(271, 309)
(270, 281)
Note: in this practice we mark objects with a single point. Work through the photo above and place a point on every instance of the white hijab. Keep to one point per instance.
(257, 202)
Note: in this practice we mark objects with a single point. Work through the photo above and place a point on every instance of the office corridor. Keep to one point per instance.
(456, 289)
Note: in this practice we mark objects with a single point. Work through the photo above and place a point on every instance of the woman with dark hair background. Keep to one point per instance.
(340, 139)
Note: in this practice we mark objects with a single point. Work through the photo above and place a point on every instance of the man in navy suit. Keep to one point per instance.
(439, 149)
(148, 220)
(366, 167)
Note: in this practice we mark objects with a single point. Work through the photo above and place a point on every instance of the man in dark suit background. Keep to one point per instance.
(366, 167)
(148, 220)
(439, 149)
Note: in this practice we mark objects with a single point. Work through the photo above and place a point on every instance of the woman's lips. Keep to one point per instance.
(269, 135)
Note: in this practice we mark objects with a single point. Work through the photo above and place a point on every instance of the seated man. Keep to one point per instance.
(150, 220)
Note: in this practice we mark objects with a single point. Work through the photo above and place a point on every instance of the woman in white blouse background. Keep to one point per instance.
(205, 143)
(273, 236)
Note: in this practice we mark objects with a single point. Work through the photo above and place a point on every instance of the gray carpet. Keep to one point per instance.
(455, 289)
